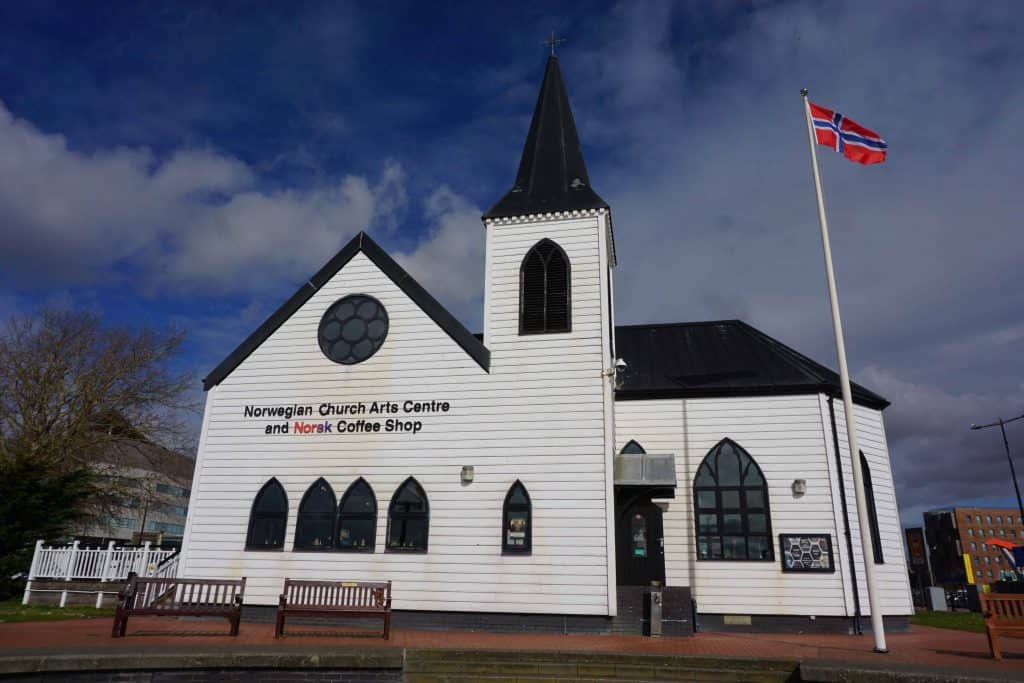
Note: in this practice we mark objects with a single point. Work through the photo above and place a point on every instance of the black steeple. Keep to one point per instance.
(552, 175)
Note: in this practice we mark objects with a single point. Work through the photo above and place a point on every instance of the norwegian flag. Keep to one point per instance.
(852, 140)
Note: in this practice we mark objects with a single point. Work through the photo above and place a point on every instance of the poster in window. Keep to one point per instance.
(638, 529)
(515, 535)
(806, 553)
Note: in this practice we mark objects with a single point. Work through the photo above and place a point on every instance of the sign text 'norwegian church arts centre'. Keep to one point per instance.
(350, 414)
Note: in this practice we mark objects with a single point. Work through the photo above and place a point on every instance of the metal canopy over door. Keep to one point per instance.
(639, 540)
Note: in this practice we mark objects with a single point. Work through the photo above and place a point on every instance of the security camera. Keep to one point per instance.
(620, 365)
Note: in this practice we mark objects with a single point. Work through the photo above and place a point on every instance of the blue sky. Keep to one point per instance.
(191, 164)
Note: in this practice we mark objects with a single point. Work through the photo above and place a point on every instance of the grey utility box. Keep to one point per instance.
(936, 599)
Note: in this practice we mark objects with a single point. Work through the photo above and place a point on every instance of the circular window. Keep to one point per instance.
(353, 328)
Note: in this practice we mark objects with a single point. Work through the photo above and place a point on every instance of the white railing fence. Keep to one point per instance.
(97, 564)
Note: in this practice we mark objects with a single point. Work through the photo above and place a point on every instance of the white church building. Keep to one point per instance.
(543, 473)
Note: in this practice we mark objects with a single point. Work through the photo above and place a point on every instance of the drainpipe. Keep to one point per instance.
(846, 520)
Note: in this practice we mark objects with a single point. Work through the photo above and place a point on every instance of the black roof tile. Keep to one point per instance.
(719, 358)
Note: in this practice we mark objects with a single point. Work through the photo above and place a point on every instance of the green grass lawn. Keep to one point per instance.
(960, 621)
(13, 612)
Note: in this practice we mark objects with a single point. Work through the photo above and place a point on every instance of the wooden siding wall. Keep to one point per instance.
(893, 580)
(538, 416)
(788, 438)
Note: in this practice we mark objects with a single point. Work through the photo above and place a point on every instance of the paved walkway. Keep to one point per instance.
(922, 646)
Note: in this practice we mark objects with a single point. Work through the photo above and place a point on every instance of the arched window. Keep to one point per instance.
(544, 301)
(408, 517)
(315, 527)
(268, 518)
(869, 493)
(632, 448)
(517, 522)
(731, 505)
(357, 518)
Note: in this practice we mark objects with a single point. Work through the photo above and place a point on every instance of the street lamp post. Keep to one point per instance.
(1013, 472)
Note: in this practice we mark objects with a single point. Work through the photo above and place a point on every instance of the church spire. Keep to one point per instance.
(552, 175)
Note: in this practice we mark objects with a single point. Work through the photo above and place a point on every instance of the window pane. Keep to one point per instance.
(271, 499)
(356, 533)
(708, 524)
(734, 548)
(314, 532)
(408, 534)
(706, 499)
(730, 499)
(728, 466)
(757, 523)
(758, 548)
(709, 547)
(359, 499)
(518, 496)
(267, 532)
(704, 477)
(753, 476)
(320, 499)
(732, 524)
(755, 498)
(409, 499)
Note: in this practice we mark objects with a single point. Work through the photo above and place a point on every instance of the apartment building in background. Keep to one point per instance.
(954, 532)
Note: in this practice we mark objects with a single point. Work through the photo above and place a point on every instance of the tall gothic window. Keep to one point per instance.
(314, 529)
(357, 518)
(731, 506)
(408, 517)
(869, 493)
(517, 522)
(268, 518)
(544, 301)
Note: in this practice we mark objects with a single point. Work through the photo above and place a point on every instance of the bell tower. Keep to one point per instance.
(548, 318)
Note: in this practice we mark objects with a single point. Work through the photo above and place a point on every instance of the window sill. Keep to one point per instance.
(368, 550)
(264, 550)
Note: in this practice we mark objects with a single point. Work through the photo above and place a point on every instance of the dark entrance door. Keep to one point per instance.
(639, 543)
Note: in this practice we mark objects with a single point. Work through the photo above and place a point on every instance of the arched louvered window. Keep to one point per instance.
(357, 518)
(268, 518)
(517, 520)
(632, 448)
(544, 301)
(408, 517)
(314, 529)
(731, 506)
(869, 493)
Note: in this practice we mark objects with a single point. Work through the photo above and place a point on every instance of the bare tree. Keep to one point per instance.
(69, 385)
(74, 393)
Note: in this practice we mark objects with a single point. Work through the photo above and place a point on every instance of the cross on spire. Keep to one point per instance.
(553, 41)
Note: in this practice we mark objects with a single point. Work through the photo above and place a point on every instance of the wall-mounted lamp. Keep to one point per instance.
(467, 474)
(620, 373)
(799, 487)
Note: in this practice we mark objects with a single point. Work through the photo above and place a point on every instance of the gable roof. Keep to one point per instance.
(360, 243)
(552, 175)
(720, 358)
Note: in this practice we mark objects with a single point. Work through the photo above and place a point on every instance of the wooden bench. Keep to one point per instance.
(334, 598)
(166, 597)
(1004, 615)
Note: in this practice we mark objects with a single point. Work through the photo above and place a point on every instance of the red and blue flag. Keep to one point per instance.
(849, 138)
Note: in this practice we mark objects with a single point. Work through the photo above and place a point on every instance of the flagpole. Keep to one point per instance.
(844, 380)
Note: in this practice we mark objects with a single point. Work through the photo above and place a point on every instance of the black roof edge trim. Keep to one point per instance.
(799, 390)
(360, 243)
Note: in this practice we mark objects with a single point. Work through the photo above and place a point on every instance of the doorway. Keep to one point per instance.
(639, 540)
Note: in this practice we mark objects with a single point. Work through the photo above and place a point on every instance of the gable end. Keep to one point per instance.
(373, 251)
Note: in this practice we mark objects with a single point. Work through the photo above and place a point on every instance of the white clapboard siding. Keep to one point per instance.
(539, 416)
(785, 436)
(893, 580)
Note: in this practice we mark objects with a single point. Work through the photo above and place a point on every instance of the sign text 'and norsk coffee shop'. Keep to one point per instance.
(347, 425)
